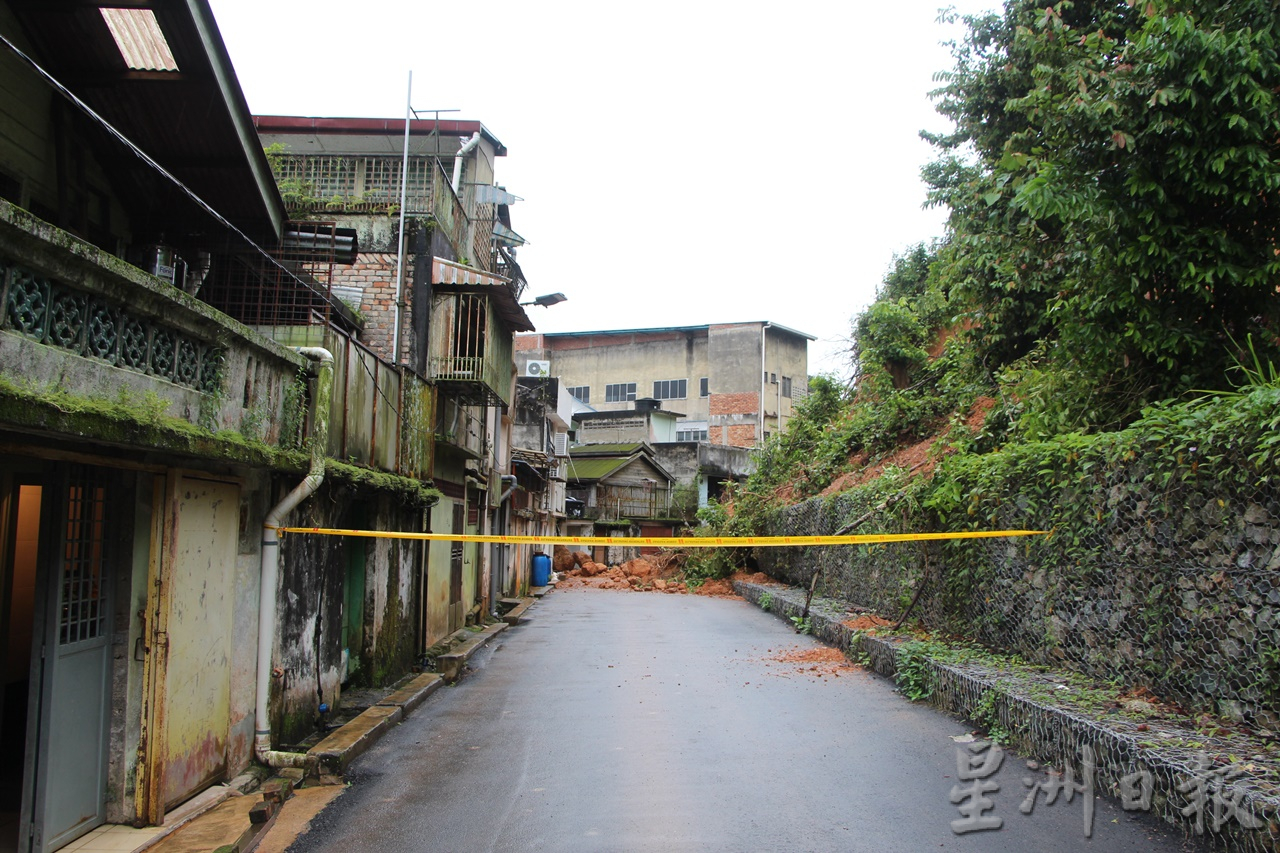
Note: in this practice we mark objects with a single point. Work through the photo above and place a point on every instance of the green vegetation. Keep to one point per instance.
(803, 624)
(1111, 180)
(300, 195)
(913, 670)
(1108, 275)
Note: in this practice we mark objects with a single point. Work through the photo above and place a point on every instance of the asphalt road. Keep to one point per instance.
(645, 722)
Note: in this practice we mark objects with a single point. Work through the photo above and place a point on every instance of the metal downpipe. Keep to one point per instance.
(270, 573)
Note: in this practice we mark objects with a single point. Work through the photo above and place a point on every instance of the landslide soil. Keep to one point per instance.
(661, 572)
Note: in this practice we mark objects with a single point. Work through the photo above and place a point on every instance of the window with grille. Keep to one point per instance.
(622, 392)
(581, 393)
(691, 434)
(83, 612)
(670, 389)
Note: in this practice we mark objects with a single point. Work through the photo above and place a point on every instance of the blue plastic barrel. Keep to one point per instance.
(541, 569)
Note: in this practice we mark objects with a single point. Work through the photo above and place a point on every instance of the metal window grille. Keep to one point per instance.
(84, 591)
(349, 183)
(296, 291)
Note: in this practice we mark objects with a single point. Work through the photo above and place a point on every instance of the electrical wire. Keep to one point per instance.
(145, 158)
(190, 193)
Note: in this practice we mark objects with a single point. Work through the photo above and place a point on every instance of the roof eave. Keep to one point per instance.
(238, 110)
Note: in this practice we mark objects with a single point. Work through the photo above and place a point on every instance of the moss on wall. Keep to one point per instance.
(143, 423)
(126, 420)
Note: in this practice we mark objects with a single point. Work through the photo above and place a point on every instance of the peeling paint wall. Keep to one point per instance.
(436, 588)
(255, 503)
(311, 598)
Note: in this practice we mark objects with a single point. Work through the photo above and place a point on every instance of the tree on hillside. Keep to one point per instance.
(1112, 179)
(895, 331)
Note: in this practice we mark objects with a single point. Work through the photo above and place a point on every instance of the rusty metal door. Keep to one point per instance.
(192, 638)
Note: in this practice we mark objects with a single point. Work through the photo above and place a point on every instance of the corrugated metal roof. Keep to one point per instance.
(607, 449)
(192, 121)
(141, 42)
(454, 277)
(596, 468)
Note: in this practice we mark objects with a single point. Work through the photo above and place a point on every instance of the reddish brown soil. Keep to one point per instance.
(867, 622)
(818, 662)
(916, 458)
(650, 573)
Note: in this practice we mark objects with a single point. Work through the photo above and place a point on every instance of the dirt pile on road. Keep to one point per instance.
(819, 662)
(648, 573)
(661, 572)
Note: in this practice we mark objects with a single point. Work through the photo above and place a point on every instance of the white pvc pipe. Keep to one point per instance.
(764, 379)
(466, 149)
(270, 573)
(404, 195)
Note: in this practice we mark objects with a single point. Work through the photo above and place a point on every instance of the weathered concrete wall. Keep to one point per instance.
(680, 459)
(130, 600)
(314, 569)
(211, 371)
(692, 461)
(625, 426)
(390, 569)
(639, 357)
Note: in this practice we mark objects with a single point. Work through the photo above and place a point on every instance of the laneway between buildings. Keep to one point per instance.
(640, 722)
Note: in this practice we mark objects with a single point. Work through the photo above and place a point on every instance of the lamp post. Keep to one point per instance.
(548, 299)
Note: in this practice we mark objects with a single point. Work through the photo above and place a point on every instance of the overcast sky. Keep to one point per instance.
(681, 163)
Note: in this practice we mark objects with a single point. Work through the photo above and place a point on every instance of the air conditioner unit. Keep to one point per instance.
(537, 368)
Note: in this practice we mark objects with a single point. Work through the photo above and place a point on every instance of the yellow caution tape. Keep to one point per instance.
(673, 541)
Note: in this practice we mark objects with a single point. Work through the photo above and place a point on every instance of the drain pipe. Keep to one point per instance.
(467, 148)
(271, 564)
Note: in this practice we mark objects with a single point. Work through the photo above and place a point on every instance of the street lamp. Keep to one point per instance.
(547, 300)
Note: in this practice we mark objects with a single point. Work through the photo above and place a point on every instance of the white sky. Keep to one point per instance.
(681, 163)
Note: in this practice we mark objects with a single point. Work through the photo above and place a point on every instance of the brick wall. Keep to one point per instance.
(735, 404)
(737, 435)
(374, 274)
(741, 435)
(524, 343)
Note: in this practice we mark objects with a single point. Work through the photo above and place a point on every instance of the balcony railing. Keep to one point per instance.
(331, 184)
(471, 353)
(612, 503)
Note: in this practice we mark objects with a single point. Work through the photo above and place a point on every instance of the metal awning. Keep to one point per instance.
(453, 273)
(453, 277)
(506, 236)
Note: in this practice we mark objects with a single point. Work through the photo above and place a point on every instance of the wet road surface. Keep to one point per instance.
(620, 721)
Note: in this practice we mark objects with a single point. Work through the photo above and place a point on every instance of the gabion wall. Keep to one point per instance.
(1172, 583)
